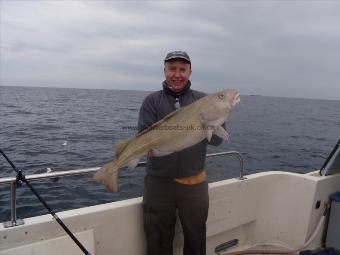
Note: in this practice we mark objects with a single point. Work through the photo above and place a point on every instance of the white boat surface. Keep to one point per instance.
(275, 209)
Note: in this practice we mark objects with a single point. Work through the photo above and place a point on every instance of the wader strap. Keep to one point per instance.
(194, 179)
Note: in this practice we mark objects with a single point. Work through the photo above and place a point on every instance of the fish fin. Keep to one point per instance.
(221, 132)
(158, 123)
(204, 124)
(209, 134)
(108, 176)
(133, 163)
(120, 146)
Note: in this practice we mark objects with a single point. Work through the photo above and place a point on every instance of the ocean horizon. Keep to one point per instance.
(150, 91)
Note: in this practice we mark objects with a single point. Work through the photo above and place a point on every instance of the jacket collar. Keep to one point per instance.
(170, 92)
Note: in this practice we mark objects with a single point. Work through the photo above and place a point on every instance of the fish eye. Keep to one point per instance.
(221, 96)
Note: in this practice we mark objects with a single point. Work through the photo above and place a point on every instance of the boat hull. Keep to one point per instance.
(270, 207)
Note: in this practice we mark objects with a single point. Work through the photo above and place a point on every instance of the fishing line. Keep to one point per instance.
(21, 178)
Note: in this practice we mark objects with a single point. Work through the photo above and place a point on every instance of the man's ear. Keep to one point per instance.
(190, 73)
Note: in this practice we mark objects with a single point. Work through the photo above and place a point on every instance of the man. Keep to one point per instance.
(175, 182)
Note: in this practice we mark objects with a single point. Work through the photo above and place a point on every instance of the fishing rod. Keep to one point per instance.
(21, 178)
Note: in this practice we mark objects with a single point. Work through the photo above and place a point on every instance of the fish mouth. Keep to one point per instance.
(236, 99)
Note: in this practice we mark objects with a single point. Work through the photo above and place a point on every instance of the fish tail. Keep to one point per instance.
(108, 176)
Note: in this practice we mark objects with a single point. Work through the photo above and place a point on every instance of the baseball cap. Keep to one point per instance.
(177, 54)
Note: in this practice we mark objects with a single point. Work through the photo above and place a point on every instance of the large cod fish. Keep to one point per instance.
(178, 130)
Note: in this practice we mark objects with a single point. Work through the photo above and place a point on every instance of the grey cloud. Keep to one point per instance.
(277, 48)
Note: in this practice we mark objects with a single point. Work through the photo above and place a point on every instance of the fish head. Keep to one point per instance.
(224, 101)
(227, 98)
(218, 106)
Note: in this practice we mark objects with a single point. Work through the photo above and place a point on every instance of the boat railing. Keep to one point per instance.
(53, 175)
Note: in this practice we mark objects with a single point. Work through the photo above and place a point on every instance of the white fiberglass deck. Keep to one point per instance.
(272, 207)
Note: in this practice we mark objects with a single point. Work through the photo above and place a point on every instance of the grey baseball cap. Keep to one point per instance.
(177, 54)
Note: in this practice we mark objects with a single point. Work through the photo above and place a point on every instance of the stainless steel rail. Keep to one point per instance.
(12, 181)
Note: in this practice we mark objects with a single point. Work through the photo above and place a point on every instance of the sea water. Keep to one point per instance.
(66, 129)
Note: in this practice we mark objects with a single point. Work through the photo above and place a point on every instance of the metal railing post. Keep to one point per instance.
(14, 221)
(239, 156)
(13, 203)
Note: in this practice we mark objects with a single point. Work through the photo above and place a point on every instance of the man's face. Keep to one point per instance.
(177, 73)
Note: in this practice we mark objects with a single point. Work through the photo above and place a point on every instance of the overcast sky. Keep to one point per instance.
(273, 48)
